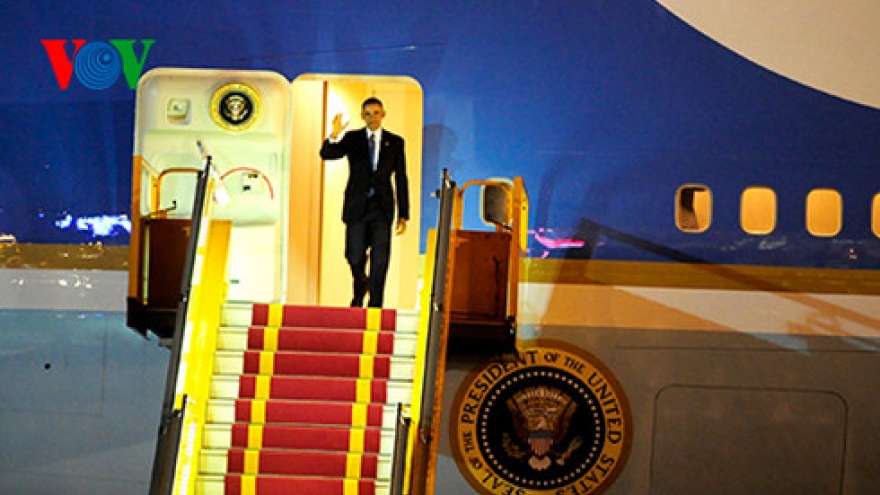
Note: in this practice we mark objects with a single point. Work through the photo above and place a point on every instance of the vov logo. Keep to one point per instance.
(97, 64)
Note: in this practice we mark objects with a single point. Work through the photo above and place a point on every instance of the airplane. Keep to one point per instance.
(706, 306)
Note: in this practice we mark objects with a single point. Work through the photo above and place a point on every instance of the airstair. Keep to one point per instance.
(303, 400)
(269, 398)
(264, 398)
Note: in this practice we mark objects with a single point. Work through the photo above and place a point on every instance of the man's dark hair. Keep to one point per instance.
(372, 101)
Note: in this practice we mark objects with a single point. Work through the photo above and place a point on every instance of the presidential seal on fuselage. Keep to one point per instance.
(555, 422)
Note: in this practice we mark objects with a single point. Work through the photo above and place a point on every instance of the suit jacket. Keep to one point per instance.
(392, 162)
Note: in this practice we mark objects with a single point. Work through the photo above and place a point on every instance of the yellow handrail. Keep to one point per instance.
(198, 350)
(415, 412)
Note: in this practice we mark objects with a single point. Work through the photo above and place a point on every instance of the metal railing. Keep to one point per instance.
(438, 294)
(401, 449)
(432, 345)
(170, 426)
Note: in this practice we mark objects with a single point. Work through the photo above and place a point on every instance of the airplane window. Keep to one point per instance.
(824, 212)
(693, 208)
(758, 210)
(875, 215)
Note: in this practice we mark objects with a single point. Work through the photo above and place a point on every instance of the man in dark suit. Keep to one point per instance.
(374, 156)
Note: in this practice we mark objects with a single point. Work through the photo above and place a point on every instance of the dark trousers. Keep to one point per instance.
(369, 239)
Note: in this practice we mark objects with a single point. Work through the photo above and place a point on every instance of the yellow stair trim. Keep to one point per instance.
(359, 415)
(270, 338)
(356, 440)
(267, 362)
(276, 314)
(353, 464)
(364, 390)
(370, 342)
(255, 436)
(367, 363)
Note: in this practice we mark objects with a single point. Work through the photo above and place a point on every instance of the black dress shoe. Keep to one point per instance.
(361, 286)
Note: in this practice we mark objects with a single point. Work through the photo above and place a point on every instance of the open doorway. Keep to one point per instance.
(318, 272)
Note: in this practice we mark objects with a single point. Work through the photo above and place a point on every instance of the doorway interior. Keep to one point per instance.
(317, 271)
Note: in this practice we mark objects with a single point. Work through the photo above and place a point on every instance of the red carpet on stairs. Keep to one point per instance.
(311, 397)
(319, 339)
(303, 363)
(281, 411)
(291, 436)
(312, 388)
(276, 485)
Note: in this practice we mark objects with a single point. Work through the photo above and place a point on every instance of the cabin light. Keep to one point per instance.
(178, 110)
(221, 194)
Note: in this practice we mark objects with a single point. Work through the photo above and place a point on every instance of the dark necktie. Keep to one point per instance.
(373, 150)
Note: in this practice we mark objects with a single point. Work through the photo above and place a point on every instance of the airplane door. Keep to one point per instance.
(241, 118)
(319, 273)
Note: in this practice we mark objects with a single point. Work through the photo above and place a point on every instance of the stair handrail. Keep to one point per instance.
(438, 294)
(170, 426)
(401, 448)
(434, 345)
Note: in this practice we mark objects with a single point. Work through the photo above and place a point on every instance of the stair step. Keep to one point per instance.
(287, 485)
(298, 463)
(317, 364)
(311, 388)
(321, 340)
(226, 411)
(311, 363)
(309, 437)
(323, 317)
(236, 339)
(240, 315)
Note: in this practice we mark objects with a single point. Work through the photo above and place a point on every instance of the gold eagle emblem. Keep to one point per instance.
(541, 417)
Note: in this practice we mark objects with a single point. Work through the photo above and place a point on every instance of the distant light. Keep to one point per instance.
(97, 225)
(64, 222)
(103, 225)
